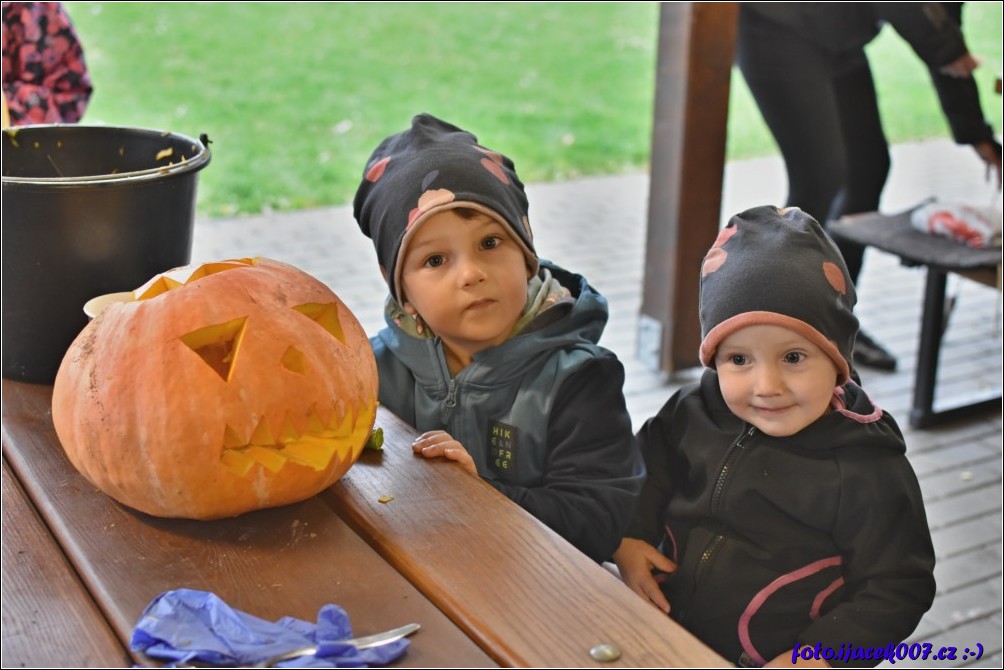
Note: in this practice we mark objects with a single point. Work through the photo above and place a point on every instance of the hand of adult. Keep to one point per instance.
(990, 153)
(961, 67)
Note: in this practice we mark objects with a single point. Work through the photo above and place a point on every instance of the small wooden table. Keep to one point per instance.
(894, 234)
(489, 584)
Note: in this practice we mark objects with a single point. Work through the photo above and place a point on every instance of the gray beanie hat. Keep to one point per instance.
(778, 267)
(429, 168)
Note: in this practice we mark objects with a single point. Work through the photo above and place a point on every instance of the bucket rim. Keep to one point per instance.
(195, 163)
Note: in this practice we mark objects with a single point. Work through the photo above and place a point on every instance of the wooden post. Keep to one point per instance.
(696, 45)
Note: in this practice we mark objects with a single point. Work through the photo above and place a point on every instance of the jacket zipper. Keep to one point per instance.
(712, 548)
(730, 462)
(450, 402)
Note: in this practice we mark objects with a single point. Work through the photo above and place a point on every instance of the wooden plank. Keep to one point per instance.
(272, 563)
(49, 619)
(523, 592)
(688, 162)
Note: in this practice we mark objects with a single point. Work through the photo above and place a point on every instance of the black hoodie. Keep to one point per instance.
(820, 537)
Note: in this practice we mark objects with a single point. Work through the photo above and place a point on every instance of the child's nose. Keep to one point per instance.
(767, 380)
(470, 272)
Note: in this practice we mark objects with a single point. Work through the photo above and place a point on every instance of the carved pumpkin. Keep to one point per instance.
(218, 389)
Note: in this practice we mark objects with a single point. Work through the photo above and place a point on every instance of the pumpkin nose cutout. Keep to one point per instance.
(294, 361)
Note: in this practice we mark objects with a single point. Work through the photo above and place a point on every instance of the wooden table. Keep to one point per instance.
(895, 234)
(489, 584)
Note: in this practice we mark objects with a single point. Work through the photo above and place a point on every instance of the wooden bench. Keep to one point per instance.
(541, 603)
(398, 539)
(941, 256)
(48, 615)
(272, 563)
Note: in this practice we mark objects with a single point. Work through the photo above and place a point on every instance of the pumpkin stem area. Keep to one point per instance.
(178, 277)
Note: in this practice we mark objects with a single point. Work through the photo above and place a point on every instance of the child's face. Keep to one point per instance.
(467, 279)
(774, 378)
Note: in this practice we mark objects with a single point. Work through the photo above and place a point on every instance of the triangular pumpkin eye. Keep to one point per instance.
(218, 345)
(325, 315)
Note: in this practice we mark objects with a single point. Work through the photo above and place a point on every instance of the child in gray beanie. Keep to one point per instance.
(489, 351)
(789, 523)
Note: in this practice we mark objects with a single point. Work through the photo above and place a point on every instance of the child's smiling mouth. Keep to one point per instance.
(480, 304)
(771, 411)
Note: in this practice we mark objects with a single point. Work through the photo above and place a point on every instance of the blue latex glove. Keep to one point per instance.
(186, 626)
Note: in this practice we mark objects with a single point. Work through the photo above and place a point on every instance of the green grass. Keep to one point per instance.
(295, 96)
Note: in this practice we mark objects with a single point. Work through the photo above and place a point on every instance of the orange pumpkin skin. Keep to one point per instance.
(219, 389)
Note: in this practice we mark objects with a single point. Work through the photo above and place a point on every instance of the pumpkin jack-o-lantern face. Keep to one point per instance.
(219, 346)
(218, 389)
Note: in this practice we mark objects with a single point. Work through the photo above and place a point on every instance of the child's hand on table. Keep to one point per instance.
(439, 443)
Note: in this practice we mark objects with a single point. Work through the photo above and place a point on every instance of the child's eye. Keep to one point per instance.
(491, 242)
(434, 261)
(794, 357)
(737, 359)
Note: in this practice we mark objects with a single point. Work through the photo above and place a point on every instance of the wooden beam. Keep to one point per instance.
(696, 45)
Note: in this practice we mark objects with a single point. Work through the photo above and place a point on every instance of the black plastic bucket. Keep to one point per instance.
(87, 210)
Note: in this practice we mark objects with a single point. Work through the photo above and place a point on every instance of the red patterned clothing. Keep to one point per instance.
(45, 77)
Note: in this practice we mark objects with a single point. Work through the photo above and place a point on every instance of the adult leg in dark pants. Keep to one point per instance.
(824, 117)
(867, 161)
(866, 151)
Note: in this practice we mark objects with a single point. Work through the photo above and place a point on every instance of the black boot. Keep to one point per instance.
(869, 353)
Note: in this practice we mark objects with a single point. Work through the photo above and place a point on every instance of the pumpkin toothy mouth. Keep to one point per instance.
(314, 447)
